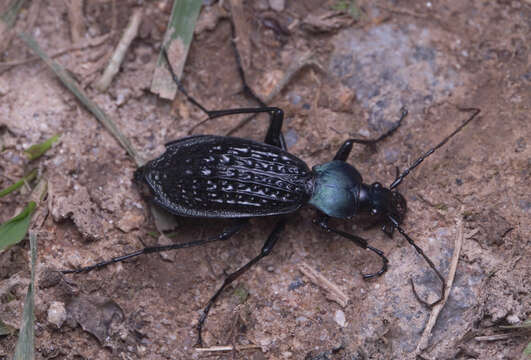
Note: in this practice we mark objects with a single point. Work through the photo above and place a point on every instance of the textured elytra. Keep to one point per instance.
(216, 176)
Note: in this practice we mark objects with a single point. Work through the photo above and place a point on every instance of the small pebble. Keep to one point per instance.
(295, 284)
(277, 5)
(513, 319)
(339, 318)
(57, 313)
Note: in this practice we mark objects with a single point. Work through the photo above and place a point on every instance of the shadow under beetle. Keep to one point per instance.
(210, 176)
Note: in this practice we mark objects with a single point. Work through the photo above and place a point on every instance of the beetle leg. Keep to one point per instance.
(266, 250)
(218, 113)
(388, 229)
(246, 89)
(344, 151)
(322, 221)
(274, 132)
(153, 249)
(430, 263)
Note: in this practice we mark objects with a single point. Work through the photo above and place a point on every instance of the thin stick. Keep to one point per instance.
(228, 348)
(86, 44)
(119, 53)
(496, 337)
(77, 24)
(423, 343)
(334, 293)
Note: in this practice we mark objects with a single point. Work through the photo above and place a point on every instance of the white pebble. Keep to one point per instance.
(57, 313)
(339, 318)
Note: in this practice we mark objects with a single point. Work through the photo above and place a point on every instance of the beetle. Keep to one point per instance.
(209, 176)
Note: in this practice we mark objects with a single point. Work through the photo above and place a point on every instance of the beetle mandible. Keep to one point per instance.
(208, 176)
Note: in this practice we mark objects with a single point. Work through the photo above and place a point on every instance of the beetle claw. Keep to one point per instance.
(423, 302)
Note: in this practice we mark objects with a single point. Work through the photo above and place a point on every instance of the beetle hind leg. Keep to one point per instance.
(153, 249)
(266, 250)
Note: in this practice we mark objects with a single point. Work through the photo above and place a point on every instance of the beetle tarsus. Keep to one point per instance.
(384, 264)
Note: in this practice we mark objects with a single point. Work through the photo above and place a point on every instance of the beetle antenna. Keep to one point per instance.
(430, 263)
(417, 162)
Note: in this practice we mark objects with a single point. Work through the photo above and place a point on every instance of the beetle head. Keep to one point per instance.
(382, 203)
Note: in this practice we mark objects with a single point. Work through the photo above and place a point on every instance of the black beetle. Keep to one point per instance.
(210, 176)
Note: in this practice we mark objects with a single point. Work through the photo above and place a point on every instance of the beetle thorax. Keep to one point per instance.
(339, 192)
(336, 189)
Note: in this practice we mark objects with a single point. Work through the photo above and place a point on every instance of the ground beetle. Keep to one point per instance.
(210, 176)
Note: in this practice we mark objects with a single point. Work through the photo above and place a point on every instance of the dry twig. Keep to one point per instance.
(119, 53)
(334, 293)
(75, 16)
(423, 343)
(228, 348)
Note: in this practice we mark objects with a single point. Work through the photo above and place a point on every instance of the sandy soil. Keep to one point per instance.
(432, 57)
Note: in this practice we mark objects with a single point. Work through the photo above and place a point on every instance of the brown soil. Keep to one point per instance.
(432, 57)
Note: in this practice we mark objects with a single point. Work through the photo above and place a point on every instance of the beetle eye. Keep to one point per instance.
(376, 185)
(374, 211)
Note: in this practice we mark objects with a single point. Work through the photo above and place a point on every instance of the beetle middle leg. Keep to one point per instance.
(266, 250)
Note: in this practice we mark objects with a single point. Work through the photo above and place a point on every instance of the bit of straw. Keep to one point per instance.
(119, 53)
(423, 343)
(333, 292)
(228, 348)
(495, 337)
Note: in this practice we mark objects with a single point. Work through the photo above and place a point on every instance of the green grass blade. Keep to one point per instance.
(177, 41)
(31, 176)
(37, 150)
(72, 85)
(25, 349)
(5, 329)
(14, 230)
(527, 350)
(523, 325)
(10, 15)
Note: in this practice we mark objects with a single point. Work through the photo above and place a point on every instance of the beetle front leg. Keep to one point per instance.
(322, 221)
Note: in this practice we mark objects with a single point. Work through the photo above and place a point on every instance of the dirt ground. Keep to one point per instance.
(432, 57)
